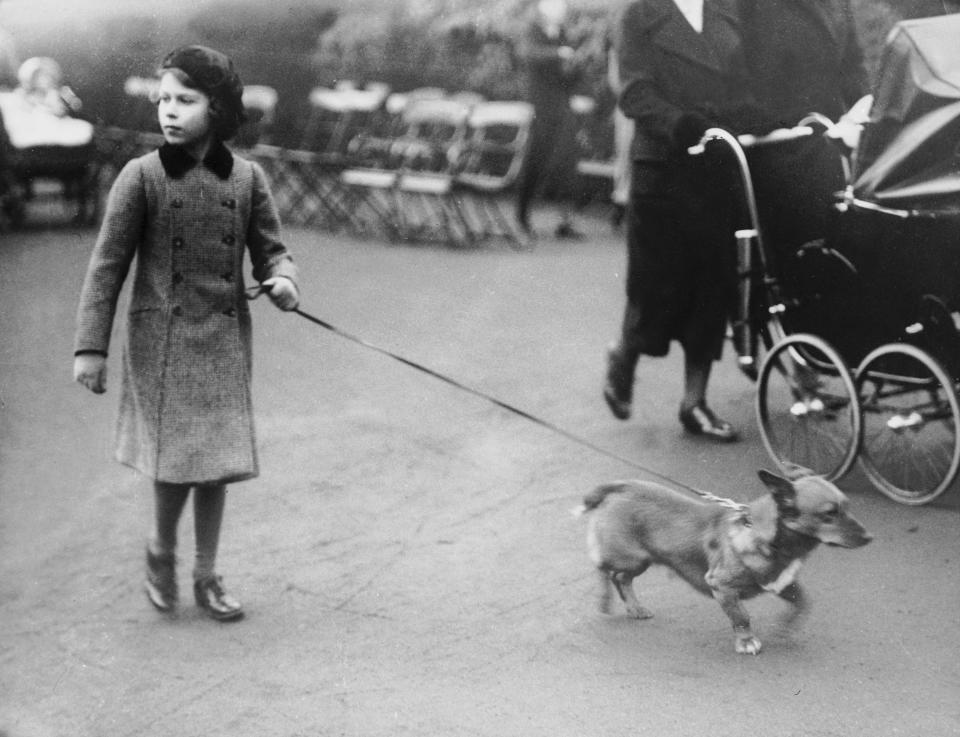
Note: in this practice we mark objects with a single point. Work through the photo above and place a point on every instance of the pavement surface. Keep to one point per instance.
(407, 558)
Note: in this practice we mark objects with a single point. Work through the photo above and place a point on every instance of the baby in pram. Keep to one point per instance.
(41, 136)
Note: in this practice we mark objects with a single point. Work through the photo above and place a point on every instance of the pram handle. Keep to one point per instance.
(748, 140)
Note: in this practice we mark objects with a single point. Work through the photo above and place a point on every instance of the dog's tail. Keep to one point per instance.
(595, 498)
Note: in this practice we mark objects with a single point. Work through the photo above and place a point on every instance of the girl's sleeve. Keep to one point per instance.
(120, 234)
(267, 253)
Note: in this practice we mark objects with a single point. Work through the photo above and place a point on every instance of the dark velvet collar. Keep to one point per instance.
(177, 162)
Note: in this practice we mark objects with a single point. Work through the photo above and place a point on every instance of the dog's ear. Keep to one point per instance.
(794, 471)
(783, 492)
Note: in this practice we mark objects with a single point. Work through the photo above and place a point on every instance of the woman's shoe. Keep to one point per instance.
(618, 389)
(161, 583)
(700, 420)
(215, 601)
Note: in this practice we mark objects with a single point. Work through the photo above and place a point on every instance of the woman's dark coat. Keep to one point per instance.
(185, 405)
(680, 231)
(804, 57)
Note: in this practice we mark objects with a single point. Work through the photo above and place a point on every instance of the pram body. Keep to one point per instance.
(37, 144)
(857, 304)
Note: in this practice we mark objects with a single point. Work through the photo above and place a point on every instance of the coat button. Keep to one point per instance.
(177, 277)
(177, 311)
(178, 242)
(231, 312)
(176, 202)
(230, 204)
(229, 239)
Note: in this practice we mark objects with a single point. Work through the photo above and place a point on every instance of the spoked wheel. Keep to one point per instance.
(807, 407)
(911, 445)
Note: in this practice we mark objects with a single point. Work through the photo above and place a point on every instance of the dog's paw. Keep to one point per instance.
(747, 645)
(639, 612)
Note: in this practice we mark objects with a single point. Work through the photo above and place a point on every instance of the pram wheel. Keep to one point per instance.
(807, 407)
(911, 447)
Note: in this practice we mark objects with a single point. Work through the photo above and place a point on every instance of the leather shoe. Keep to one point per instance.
(618, 389)
(215, 601)
(161, 583)
(700, 420)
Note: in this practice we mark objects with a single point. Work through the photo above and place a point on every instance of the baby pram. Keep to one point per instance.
(42, 140)
(859, 327)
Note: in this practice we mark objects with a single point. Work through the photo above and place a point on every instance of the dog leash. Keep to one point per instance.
(253, 292)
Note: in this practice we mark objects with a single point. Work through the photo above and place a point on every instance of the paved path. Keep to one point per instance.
(408, 558)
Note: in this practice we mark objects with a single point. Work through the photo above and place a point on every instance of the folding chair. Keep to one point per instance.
(429, 153)
(494, 152)
(412, 193)
(337, 115)
(306, 187)
(595, 150)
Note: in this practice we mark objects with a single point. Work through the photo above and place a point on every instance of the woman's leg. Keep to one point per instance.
(622, 359)
(696, 376)
(695, 415)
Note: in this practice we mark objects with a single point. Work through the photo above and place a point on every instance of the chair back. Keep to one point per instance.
(337, 115)
(496, 144)
(432, 136)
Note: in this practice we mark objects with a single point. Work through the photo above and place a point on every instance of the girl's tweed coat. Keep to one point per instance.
(185, 409)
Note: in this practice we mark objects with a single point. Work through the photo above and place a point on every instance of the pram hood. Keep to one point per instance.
(909, 153)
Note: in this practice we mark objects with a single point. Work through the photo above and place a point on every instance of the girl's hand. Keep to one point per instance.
(90, 369)
(282, 292)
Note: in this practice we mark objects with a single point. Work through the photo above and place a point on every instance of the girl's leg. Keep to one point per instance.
(695, 416)
(169, 500)
(208, 504)
(161, 583)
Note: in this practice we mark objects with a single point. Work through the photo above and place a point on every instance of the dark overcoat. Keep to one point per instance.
(550, 162)
(804, 56)
(680, 272)
(185, 406)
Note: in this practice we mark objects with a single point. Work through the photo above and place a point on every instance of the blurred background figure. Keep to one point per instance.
(622, 128)
(553, 66)
(9, 62)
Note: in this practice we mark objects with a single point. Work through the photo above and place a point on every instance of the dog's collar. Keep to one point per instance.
(787, 524)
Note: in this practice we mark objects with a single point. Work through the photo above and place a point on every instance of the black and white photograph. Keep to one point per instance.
(479, 368)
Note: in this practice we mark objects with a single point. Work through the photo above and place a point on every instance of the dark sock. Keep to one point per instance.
(169, 500)
(208, 504)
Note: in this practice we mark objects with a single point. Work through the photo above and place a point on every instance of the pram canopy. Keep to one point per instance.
(909, 154)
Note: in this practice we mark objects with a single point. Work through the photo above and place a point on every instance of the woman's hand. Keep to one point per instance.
(282, 292)
(90, 369)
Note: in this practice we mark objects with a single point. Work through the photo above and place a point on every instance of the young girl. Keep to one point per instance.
(187, 211)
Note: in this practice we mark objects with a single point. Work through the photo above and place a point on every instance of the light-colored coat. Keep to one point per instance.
(185, 406)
